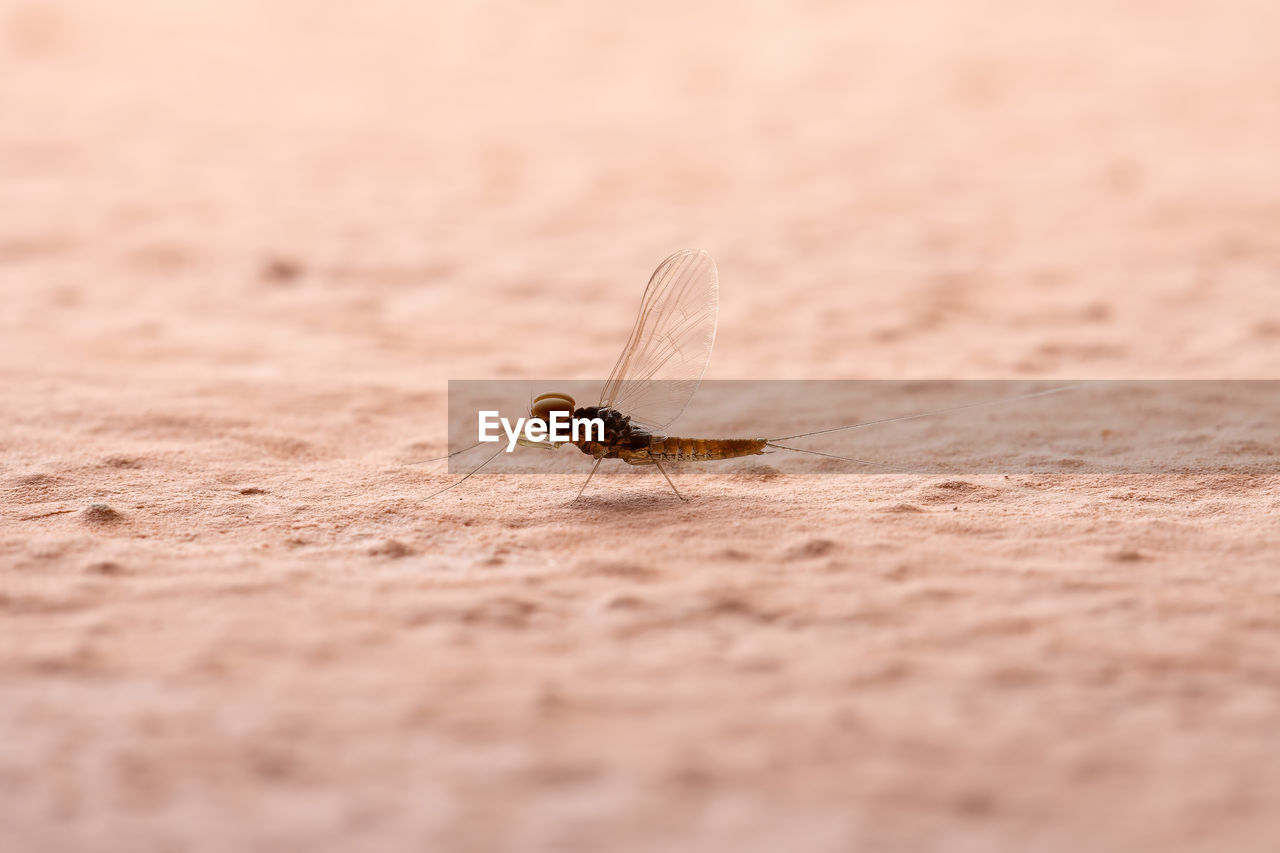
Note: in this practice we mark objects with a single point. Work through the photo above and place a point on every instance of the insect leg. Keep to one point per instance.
(449, 456)
(464, 479)
(589, 476)
(669, 483)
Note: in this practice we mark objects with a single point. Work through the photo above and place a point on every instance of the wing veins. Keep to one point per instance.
(670, 343)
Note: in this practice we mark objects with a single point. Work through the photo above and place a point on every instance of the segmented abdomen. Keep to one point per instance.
(703, 449)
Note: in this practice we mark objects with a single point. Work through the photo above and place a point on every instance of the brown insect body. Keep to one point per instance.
(636, 445)
(657, 373)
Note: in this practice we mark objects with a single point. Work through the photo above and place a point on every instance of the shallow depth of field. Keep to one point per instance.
(244, 246)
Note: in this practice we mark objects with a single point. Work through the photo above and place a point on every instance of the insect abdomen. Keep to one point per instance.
(678, 449)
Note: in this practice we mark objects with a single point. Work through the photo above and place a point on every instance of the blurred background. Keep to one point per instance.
(475, 189)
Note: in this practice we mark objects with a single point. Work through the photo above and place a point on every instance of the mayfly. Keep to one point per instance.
(657, 374)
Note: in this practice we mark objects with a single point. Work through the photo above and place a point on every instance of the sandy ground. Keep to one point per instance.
(242, 250)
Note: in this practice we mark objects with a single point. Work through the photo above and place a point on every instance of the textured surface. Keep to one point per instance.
(243, 246)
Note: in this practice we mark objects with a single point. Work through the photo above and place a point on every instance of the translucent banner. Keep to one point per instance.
(859, 426)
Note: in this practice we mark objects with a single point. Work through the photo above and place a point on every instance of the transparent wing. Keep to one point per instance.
(667, 353)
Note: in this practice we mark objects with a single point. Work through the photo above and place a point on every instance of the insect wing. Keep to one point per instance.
(667, 353)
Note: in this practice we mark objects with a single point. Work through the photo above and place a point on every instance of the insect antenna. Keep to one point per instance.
(464, 479)
(927, 414)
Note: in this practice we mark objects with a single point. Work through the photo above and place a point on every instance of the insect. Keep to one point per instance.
(657, 374)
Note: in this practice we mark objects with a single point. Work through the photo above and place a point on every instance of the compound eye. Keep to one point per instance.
(545, 404)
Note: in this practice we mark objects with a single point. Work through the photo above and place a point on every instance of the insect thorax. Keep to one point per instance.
(618, 431)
